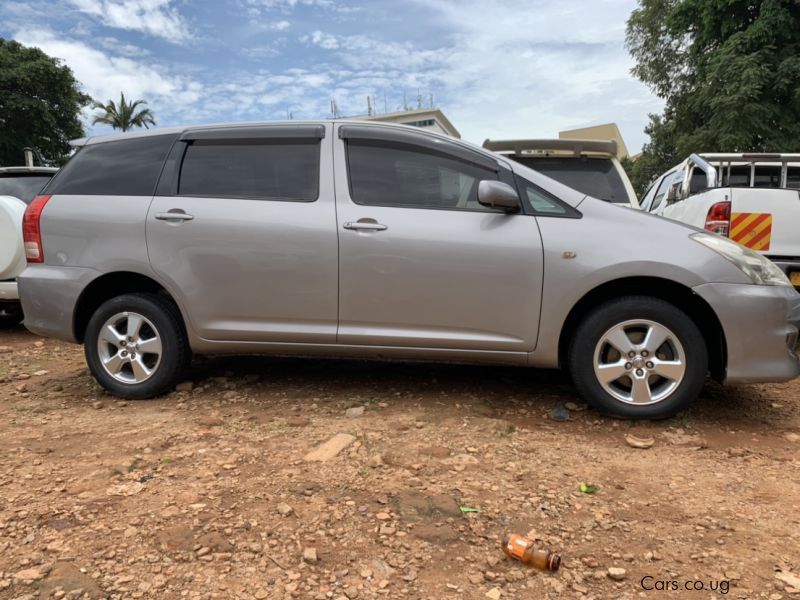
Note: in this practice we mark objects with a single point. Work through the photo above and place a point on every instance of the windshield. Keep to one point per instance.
(24, 187)
(597, 177)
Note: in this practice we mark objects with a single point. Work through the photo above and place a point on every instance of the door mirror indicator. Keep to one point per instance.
(498, 195)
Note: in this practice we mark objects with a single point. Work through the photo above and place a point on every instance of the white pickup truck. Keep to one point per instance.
(753, 199)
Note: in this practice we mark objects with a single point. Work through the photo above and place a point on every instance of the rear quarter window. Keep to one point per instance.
(119, 168)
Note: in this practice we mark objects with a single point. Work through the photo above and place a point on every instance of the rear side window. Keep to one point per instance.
(767, 177)
(266, 169)
(394, 174)
(738, 176)
(793, 178)
(120, 168)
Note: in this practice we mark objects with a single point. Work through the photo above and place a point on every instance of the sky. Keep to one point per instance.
(497, 69)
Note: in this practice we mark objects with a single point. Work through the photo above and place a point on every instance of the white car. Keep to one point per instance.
(18, 186)
(753, 199)
(589, 166)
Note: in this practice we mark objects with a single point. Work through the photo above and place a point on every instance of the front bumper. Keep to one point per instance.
(8, 291)
(761, 326)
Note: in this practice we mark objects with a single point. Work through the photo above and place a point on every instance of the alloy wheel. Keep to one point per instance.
(129, 347)
(639, 362)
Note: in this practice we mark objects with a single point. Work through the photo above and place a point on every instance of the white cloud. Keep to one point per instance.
(511, 68)
(498, 69)
(104, 76)
(529, 69)
(365, 52)
(178, 99)
(154, 17)
(323, 40)
(289, 5)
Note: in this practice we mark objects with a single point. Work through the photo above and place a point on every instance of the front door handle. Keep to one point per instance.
(174, 215)
(364, 225)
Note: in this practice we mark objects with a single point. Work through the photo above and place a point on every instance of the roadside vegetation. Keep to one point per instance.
(729, 73)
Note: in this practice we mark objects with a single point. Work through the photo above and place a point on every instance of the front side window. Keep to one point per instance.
(265, 169)
(644, 204)
(541, 203)
(389, 174)
(661, 192)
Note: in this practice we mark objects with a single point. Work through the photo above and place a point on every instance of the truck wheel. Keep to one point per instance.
(136, 346)
(638, 357)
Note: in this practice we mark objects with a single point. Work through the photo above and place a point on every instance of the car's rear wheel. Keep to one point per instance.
(638, 357)
(136, 346)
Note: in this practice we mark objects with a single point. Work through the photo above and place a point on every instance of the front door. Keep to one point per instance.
(244, 233)
(421, 263)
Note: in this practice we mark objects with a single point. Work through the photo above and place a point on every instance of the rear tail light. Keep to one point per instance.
(31, 230)
(718, 219)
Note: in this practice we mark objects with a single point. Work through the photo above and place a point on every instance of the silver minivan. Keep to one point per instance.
(382, 241)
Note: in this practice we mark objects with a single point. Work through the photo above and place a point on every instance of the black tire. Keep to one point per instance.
(10, 315)
(677, 393)
(167, 324)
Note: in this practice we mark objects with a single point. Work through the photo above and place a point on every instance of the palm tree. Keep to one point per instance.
(123, 116)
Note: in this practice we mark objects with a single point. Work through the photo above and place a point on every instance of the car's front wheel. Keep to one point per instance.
(136, 346)
(638, 357)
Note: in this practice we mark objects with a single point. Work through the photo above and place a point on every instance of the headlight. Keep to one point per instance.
(758, 268)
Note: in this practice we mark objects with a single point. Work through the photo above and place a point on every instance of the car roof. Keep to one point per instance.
(28, 170)
(243, 124)
(289, 123)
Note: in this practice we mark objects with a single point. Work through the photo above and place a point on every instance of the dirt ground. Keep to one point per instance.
(208, 493)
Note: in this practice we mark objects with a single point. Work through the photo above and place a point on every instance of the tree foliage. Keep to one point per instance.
(124, 115)
(729, 71)
(40, 104)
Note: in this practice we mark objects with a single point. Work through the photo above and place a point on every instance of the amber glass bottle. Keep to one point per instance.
(522, 549)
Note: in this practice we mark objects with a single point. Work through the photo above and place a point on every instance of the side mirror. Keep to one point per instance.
(498, 195)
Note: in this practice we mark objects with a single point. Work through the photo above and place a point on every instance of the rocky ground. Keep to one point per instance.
(221, 489)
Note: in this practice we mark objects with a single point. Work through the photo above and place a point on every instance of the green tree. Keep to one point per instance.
(729, 71)
(124, 115)
(40, 104)
(658, 155)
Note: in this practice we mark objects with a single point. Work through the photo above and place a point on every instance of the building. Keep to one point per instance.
(431, 119)
(607, 131)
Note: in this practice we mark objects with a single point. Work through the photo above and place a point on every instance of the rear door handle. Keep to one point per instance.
(174, 216)
(365, 226)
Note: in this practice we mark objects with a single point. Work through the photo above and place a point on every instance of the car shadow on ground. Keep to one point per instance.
(495, 387)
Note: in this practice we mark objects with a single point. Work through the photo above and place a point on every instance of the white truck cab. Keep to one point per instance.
(589, 166)
(753, 199)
